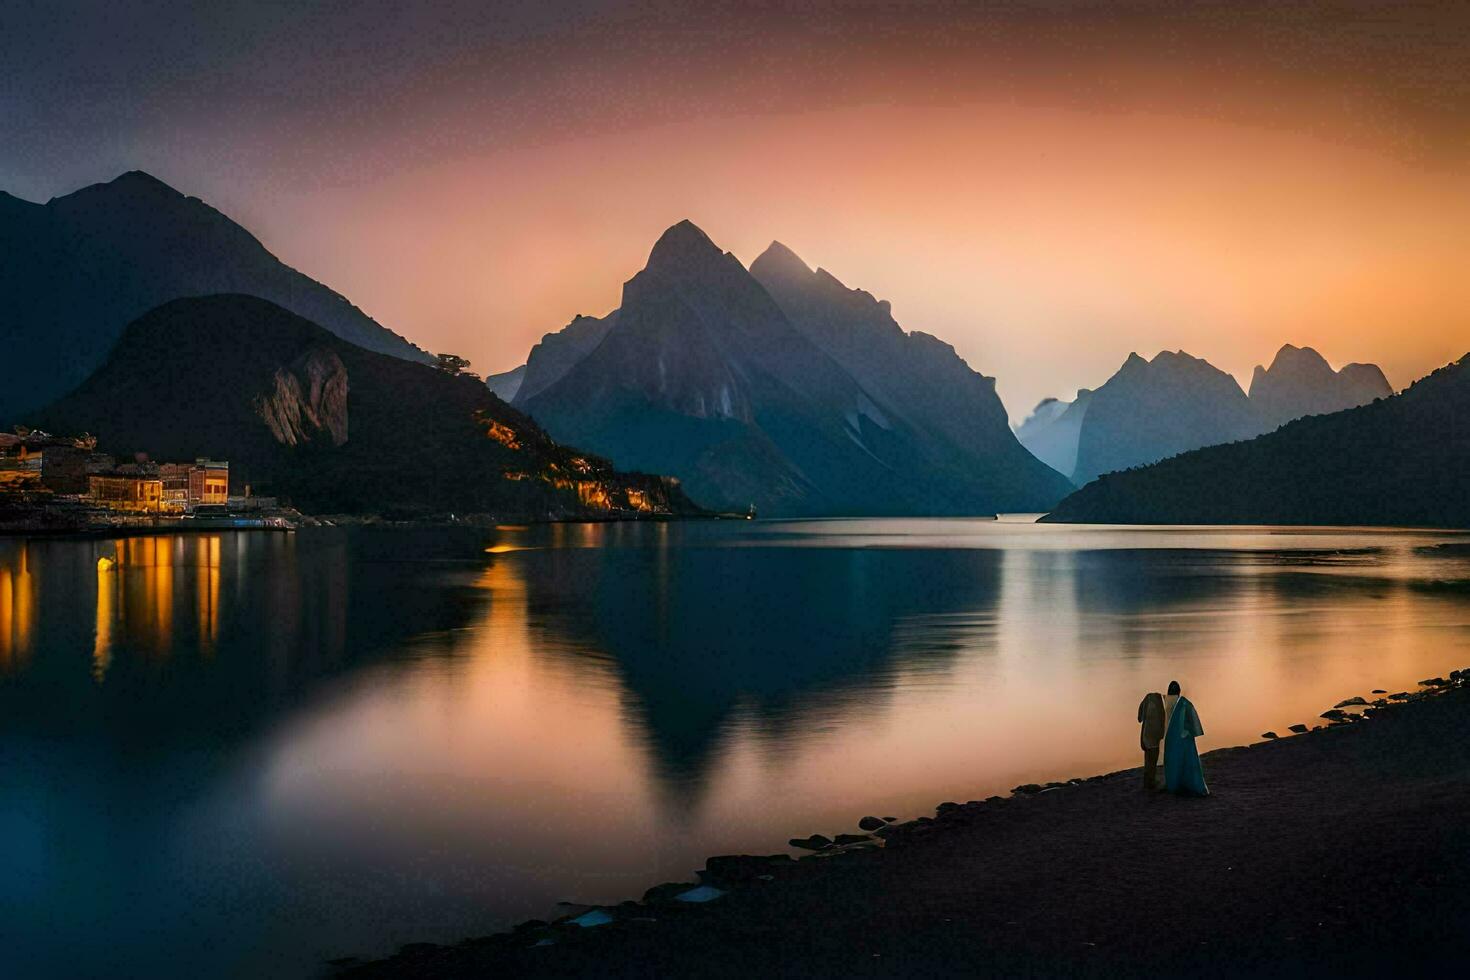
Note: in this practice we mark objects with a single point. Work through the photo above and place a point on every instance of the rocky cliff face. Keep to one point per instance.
(79, 268)
(1300, 382)
(307, 400)
(332, 427)
(705, 375)
(559, 352)
(957, 421)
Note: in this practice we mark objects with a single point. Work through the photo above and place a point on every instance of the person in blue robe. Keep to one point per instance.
(1183, 774)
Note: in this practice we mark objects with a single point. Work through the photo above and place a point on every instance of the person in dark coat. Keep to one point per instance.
(1151, 733)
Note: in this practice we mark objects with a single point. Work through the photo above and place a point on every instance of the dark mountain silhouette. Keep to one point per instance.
(1403, 460)
(301, 413)
(1300, 382)
(952, 410)
(559, 352)
(79, 268)
(1053, 428)
(704, 376)
(1151, 410)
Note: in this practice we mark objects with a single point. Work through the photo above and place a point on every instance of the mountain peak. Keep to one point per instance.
(140, 178)
(681, 246)
(1300, 382)
(1299, 356)
(779, 261)
(137, 184)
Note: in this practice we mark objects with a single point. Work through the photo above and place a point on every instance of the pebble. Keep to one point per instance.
(870, 823)
(1299, 729)
(1269, 735)
(815, 842)
(1349, 703)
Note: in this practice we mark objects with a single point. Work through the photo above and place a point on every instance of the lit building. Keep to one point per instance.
(204, 481)
(40, 461)
(126, 492)
(20, 470)
(175, 477)
(209, 482)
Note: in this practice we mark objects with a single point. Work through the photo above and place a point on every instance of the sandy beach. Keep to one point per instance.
(1342, 851)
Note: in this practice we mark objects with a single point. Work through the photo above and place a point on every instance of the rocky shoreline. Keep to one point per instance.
(1326, 851)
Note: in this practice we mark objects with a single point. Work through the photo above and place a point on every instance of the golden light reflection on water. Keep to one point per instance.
(492, 733)
(634, 719)
(135, 593)
(17, 610)
(107, 585)
(207, 591)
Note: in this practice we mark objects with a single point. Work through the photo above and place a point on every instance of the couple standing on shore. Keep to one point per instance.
(1170, 726)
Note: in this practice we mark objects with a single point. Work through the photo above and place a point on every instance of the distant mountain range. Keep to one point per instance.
(507, 383)
(1300, 382)
(780, 387)
(777, 385)
(1150, 410)
(336, 428)
(79, 268)
(1052, 430)
(1402, 460)
(1153, 409)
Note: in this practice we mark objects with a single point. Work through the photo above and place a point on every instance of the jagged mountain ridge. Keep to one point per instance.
(914, 376)
(558, 352)
(1402, 460)
(79, 268)
(1150, 410)
(336, 428)
(1300, 382)
(705, 376)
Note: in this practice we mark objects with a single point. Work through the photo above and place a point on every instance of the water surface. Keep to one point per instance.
(247, 753)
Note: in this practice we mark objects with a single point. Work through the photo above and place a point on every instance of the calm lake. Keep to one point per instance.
(248, 753)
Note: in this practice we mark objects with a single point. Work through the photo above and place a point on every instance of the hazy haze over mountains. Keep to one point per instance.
(800, 396)
(1153, 409)
(1402, 460)
(1300, 382)
(1150, 410)
(79, 268)
(1052, 430)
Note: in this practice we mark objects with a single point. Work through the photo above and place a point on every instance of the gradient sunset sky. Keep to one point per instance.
(1046, 185)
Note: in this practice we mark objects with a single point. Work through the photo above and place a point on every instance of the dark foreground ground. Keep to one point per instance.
(1340, 852)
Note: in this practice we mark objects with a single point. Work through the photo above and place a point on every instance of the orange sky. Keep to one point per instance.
(1048, 186)
(1045, 244)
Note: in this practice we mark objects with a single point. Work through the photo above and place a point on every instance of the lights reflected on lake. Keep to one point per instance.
(247, 753)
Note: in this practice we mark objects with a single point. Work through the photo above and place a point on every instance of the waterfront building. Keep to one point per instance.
(128, 492)
(209, 482)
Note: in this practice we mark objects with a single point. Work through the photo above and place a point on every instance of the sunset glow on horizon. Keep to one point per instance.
(1046, 189)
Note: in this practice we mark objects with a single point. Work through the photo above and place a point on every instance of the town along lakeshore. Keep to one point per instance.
(64, 485)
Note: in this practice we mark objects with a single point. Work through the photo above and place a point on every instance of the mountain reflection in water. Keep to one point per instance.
(246, 753)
